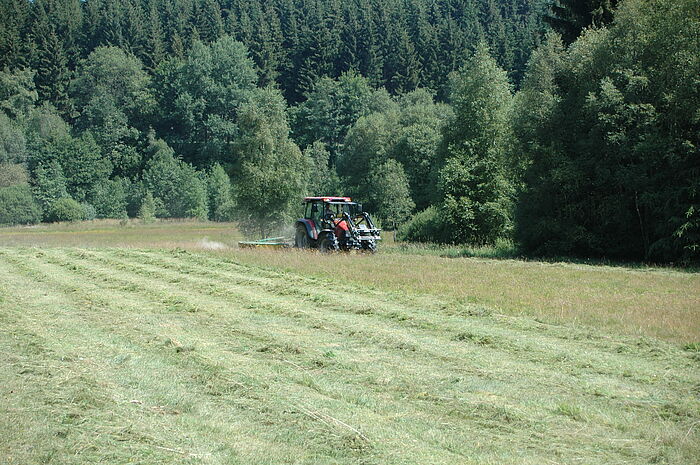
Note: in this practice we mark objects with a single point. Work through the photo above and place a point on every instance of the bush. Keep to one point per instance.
(89, 212)
(18, 206)
(178, 189)
(220, 194)
(147, 211)
(65, 209)
(110, 198)
(425, 226)
(12, 174)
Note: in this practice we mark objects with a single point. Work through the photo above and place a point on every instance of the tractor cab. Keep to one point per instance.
(335, 223)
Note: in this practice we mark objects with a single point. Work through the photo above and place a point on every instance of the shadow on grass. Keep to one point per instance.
(507, 250)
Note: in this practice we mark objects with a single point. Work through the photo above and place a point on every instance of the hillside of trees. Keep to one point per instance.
(570, 128)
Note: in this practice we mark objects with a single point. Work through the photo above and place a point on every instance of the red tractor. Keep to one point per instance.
(335, 223)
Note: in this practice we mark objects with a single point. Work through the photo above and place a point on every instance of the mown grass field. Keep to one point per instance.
(146, 346)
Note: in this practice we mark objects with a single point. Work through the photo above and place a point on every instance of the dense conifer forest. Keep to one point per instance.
(568, 127)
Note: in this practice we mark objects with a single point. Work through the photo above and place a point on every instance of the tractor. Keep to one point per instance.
(335, 223)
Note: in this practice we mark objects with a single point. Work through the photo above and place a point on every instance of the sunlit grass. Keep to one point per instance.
(635, 300)
(153, 356)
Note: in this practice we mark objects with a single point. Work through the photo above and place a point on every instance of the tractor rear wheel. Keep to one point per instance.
(301, 239)
(328, 244)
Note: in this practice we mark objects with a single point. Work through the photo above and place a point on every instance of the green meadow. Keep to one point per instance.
(165, 343)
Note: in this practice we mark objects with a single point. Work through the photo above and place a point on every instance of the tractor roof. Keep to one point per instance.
(328, 199)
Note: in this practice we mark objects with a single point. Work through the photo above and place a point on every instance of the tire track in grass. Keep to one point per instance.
(432, 453)
(562, 444)
(687, 387)
(627, 375)
(271, 278)
(284, 308)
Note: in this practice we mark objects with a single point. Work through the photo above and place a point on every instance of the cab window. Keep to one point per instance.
(316, 211)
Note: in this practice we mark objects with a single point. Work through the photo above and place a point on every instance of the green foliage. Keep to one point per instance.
(409, 131)
(615, 168)
(273, 172)
(416, 142)
(110, 198)
(323, 178)
(599, 146)
(367, 144)
(389, 196)
(65, 209)
(49, 58)
(111, 74)
(147, 210)
(80, 158)
(49, 183)
(425, 226)
(17, 92)
(221, 206)
(473, 182)
(174, 184)
(331, 109)
(12, 174)
(13, 146)
(18, 206)
(535, 104)
(89, 212)
(111, 94)
(199, 99)
(570, 17)
(44, 124)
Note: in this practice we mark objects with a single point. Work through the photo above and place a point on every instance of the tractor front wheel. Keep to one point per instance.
(328, 244)
(369, 246)
(301, 239)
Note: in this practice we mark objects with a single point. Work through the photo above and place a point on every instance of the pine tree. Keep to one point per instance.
(208, 20)
(13, 23)
(135, 31)
(570, 17)
(147, 210)
(51, 64)
(155, 45)
(404, 70)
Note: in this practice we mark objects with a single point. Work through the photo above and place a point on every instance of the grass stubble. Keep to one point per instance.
(172, 356)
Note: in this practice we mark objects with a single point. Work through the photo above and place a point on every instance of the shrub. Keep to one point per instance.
(177, 187)
(18, 206)
(89, 212)
(147, 211)
(12, 174)
(425, 226)
(65, 209)
(49, 183)
(220, 195)
(109, 198)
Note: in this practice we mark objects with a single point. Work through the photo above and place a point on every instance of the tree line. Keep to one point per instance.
(571, 132)
(397, 44)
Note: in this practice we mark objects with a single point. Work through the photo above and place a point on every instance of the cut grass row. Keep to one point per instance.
(641, 302)
(660, 303)
(148, 356)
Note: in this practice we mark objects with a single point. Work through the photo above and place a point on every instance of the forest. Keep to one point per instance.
(570, 128)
